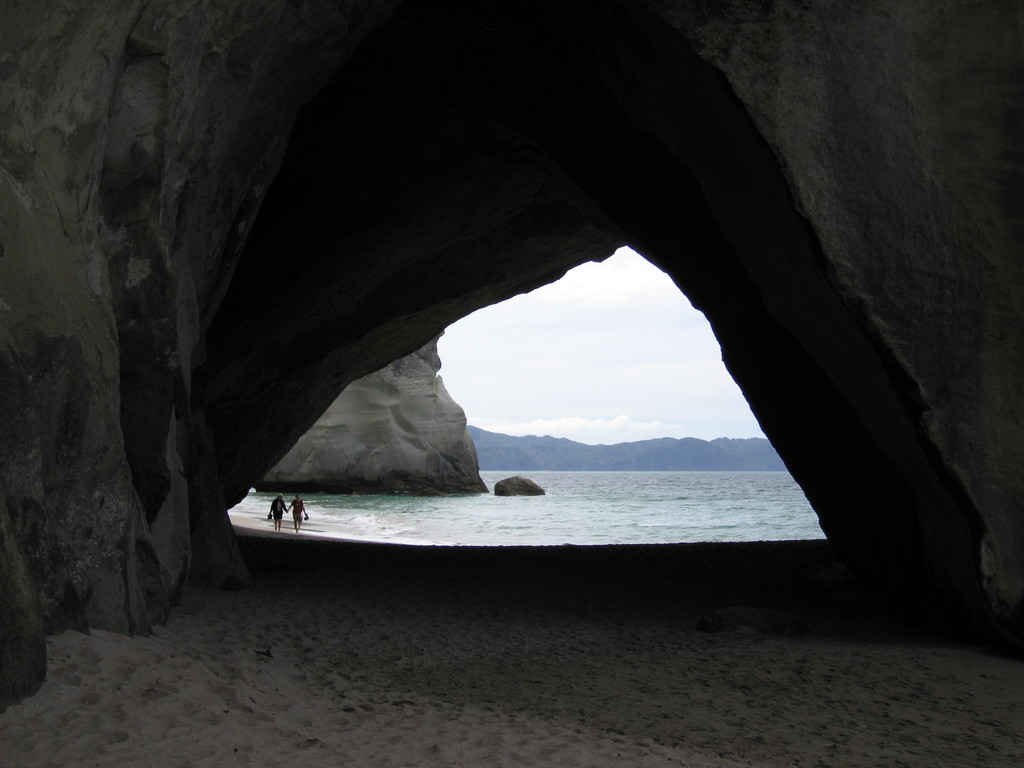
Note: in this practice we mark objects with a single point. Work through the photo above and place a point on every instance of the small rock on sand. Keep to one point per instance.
(760, 620)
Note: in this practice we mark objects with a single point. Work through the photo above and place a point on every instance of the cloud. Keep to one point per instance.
(707, 424)
(615, 344)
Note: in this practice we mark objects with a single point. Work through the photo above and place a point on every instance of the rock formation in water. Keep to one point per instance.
(214, 217)
(517, 486)
(394, 431)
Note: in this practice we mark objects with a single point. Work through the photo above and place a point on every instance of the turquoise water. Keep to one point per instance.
(579, 508)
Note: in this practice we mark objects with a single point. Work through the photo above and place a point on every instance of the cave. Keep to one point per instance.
(223, 220)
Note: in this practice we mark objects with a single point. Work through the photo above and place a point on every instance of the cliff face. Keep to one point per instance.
(213, 217)
(394, 431)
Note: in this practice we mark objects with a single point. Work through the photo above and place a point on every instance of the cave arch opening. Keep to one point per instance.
(428, 180)
(423, 183)
(633, 427)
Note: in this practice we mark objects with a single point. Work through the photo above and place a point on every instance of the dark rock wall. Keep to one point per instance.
(136, 142)
(200, 108)
(894, 129)
(212, 218)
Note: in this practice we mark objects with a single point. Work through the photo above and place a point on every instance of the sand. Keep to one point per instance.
(364, 655)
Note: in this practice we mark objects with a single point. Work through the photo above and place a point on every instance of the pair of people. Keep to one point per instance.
(278, 507)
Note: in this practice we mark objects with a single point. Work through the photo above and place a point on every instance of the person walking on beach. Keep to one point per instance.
(277, 508)
(298, 510)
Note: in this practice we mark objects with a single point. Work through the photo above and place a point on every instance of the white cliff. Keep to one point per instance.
(394, 431)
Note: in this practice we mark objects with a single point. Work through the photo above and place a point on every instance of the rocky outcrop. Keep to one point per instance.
(214, 217)
(517, 486)
(394, 431)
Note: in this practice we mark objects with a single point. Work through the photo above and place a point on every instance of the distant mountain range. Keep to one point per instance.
(505, 452)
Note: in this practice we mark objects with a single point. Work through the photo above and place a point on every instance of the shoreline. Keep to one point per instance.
(322, 527)
(380, 655)
(256, 524)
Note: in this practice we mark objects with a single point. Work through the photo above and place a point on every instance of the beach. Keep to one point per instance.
(354, 654)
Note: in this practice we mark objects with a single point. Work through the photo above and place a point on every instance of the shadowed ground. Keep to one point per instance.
(580, 657)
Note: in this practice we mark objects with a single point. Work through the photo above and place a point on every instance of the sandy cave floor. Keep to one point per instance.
(373, 655)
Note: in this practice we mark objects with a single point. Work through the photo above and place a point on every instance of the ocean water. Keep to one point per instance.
(579, 508)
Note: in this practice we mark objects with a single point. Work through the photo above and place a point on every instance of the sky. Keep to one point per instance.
(613, 352)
